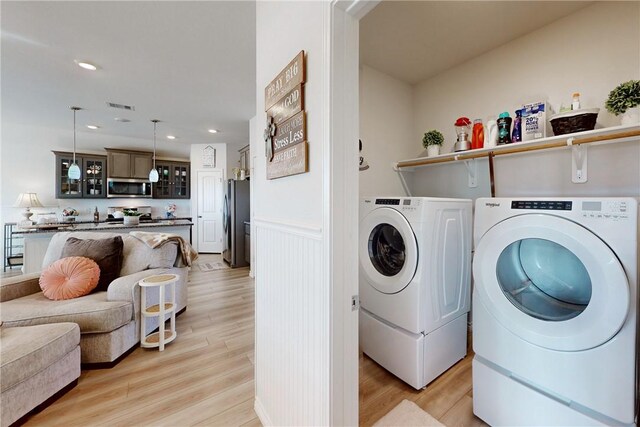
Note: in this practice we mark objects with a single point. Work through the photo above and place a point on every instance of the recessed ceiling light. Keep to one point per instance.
(171, 137)
(122, 120)
(213, 131)
(93, 127)
(86, 65)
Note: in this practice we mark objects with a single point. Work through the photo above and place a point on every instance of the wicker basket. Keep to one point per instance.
(574, 121)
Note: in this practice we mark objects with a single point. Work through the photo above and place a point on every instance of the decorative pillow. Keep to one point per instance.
(69, 278)
(107, 253)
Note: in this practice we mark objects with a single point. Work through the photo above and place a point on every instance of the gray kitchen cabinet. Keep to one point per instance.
(128, 163)
(245, 160)
(174, 180)
(92, 183)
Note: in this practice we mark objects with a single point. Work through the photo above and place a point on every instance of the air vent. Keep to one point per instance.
(121, 106)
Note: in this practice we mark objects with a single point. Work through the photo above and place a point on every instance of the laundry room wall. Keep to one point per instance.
(386, 131)
(591, 52)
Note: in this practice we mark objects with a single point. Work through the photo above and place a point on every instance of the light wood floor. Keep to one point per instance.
(206, 376)
(448, 398)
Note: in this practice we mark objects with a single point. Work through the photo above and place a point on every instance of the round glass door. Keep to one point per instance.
(544, 279)
(388, 250)
(551, 282)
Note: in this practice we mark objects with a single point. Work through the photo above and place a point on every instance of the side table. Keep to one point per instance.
(160, 310)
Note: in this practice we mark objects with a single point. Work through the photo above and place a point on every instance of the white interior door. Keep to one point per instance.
(210, 196)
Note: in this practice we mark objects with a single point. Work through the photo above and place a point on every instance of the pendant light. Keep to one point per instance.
(153, 173)
(74, 169)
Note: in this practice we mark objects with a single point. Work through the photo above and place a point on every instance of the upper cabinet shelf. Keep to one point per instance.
(610, 134)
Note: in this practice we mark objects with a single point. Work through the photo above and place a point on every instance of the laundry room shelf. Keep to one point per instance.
(609, 135)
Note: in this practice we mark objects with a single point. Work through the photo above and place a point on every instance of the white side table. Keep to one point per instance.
(160, 310)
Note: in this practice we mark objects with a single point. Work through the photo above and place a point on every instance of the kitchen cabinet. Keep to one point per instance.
(174, 180)
(92, 183)
(245, 160)
(129, 164)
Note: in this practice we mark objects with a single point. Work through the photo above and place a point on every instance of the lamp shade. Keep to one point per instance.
(153, 175)
(27, 200)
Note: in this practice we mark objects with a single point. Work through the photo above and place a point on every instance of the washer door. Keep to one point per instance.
(551, 282)
(388, 250)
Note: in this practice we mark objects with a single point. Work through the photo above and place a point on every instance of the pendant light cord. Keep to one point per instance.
(155, 122)
(74, 135)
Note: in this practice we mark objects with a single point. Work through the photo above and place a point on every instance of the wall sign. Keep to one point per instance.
(285, 136)
(290, 77)
(209, 157)
(290, 104)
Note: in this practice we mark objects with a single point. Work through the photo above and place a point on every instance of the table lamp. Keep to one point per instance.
(28, 201)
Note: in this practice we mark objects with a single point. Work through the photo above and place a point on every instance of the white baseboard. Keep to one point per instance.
(262, 414)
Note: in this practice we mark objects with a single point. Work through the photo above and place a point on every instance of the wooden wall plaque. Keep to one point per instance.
(292, 75)
(290, 104)
(290, 161)
(290, 132)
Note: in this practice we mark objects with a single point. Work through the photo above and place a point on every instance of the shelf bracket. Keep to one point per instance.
(402, 180)
(472, 172)
(579, 162)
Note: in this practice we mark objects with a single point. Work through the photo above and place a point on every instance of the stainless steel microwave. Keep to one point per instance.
(122, 187)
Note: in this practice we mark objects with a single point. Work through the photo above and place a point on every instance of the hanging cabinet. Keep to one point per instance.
(129, 163)
(92, 183)
(174, 180)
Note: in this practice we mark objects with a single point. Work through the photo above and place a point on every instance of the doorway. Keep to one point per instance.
(209, 221)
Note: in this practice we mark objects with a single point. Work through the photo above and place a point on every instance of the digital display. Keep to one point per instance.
(591, 206)
(388, 202)
(551, 205)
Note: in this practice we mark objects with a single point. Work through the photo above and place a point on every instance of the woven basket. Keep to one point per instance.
(574, 121)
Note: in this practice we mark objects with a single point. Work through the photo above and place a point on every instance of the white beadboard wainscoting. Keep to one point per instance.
(292, 332)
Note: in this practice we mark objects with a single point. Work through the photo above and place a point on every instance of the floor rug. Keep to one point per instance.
(212, 266)
(407, 414)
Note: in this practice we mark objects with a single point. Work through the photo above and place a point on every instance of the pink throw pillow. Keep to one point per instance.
(69, 278)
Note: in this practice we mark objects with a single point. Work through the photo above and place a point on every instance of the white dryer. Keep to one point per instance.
(415, 273)
(555, 311)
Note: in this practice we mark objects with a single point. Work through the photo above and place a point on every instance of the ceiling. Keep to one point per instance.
(415, 40)
(189, 64)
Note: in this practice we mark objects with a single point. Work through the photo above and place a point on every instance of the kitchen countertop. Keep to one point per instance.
(115, 226)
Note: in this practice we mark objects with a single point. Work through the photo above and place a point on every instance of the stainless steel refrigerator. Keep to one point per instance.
(235, 213)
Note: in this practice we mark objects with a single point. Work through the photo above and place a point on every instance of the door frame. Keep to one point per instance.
(340, 188)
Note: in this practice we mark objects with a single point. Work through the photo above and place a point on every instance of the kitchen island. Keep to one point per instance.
(36, 240)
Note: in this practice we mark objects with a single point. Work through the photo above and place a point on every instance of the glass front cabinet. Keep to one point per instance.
(174, 180)
(92, 183)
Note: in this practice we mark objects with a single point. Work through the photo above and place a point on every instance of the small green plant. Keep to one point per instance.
(128, 212)
(433, 137)
(624, 96)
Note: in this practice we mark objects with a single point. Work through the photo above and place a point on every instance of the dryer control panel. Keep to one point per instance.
(608, 209)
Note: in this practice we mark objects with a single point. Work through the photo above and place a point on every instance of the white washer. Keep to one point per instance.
(415, 273)
(554, 311)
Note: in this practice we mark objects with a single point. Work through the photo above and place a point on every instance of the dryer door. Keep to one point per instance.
(551, 282)
(388, 250)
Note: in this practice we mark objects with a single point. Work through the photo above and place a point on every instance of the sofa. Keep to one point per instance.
(109, 321)
(37, 364)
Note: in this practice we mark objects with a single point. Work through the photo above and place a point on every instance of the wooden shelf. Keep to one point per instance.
(154, 310)
(611, 134)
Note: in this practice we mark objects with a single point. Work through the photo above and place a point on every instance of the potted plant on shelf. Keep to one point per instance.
(432, 141)
(625, 100)
(131, 217)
